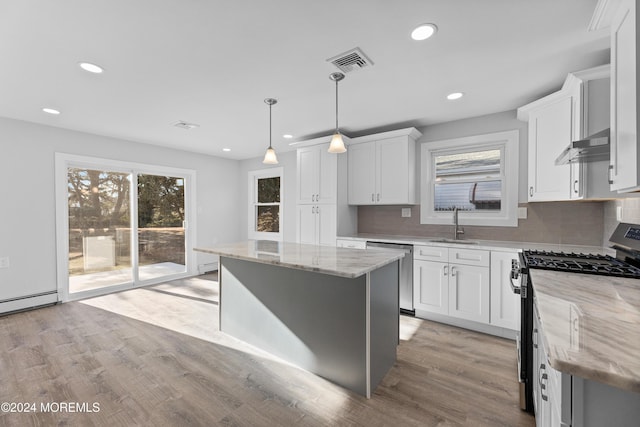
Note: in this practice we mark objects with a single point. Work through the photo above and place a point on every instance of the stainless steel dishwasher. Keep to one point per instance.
(406, 274)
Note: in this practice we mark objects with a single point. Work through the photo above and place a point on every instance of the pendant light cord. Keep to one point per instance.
(336, 105)
(270, 105)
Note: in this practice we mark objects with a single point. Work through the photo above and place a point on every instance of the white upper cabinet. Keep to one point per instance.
(625, 173)
(317, 175)
(382, 168)
(576, 111)
(550, 132)
(621, 17)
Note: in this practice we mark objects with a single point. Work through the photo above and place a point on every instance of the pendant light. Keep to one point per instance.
(337, 144)
(270, 156)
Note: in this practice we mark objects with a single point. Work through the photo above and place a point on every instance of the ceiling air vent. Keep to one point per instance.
(185, 125)
(351, 60)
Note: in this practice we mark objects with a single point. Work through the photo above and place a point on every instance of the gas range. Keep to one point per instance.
(604, 265)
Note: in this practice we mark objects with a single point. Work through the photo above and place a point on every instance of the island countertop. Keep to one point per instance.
(591, 325)
(343, 262)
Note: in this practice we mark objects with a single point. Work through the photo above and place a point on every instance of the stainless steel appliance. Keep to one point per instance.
(625, 240)
(406, 274)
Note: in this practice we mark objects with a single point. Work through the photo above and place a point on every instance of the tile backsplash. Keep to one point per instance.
(574, 223)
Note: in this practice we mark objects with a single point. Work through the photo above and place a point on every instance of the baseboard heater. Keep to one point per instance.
(28, 302)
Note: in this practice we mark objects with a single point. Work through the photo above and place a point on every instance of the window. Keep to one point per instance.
(265, 203)
(478, 175)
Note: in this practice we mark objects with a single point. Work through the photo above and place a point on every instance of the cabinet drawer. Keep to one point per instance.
(469, 257)
(353, 244)
(431, 253)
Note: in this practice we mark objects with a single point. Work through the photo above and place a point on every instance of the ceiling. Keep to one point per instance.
(213, 62)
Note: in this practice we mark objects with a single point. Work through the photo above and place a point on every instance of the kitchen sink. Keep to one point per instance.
(456, 242)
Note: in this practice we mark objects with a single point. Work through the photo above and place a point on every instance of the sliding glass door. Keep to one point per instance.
(99, 229)
(161, 233)
(124, 227)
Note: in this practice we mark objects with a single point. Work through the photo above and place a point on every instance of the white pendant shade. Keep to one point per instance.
(270, 157)
(337, 144)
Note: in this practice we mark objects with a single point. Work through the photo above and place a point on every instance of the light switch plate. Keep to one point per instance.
(406, 212)
(619, 213)
(522, 213)
(4, 262)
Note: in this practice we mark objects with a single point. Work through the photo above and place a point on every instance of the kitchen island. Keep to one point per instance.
(331, 311)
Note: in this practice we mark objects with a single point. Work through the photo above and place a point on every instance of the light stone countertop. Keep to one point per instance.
(343, 262)
(490, 245)
(591, 325)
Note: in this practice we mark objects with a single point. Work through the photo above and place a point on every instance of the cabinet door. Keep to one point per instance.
(326, 224)
(362, 174)
(549, 133)
(308, 174)
(469, 292)
(505, 305)
(624, 126)
(430, 288)
(392, 183)
(307, 224)
(327, 176)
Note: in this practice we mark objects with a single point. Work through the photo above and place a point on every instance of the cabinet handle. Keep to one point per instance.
(543, 377)
(535, 338)
(313, 209)
(373, 197)
(531, 191)
(575, 186)
(317, 209)
(378, 196)
(317, 197)
(453, 271)
(610, 174)
(445, 270)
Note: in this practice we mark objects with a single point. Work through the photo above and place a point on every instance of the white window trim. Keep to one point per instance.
(508, 142)
(253, 180)
(63, 161)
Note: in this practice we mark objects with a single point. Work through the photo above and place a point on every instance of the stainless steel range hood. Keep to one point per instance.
(591, 149)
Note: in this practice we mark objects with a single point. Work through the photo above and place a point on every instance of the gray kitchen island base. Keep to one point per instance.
(342, 329)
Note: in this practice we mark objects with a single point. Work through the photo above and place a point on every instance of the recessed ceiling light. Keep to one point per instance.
(455, 95)
(424, 31)
(51, 111)
(287, 136)
(92, 68)
(226, 149)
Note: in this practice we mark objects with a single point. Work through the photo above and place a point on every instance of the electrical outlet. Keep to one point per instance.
(406, 212)
(4, 262)
(619, 213)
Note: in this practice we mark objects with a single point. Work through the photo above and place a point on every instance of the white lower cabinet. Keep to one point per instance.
(505, 305)
(466, 287)
(317, 224)
(431, 286)
(456, 284)
(351, 244)
(469, 292)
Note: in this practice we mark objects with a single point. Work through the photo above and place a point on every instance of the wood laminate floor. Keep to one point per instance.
(153, 356)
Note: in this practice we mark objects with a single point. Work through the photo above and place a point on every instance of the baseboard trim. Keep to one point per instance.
(29, 302)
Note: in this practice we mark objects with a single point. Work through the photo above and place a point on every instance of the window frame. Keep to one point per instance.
(254, 176)
(508, 144)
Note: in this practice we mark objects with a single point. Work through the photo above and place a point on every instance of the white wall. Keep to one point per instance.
(27, 204)
(490, 123)
(287, 161)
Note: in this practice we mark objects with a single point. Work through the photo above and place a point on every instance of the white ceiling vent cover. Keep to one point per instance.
(351, 60)
(185, 125)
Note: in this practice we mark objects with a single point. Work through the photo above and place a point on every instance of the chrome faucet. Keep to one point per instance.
(457, 230)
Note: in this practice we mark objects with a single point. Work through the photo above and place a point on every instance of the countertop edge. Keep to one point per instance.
(302, 267)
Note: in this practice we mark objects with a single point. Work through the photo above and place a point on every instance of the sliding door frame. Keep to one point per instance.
(63, 162)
